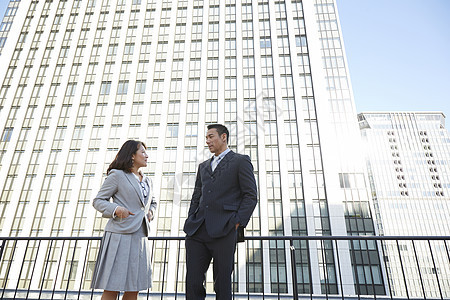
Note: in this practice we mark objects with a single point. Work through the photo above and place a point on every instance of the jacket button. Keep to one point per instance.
(209, 191)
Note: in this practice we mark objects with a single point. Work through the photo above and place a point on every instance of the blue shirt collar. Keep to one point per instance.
(221, 155)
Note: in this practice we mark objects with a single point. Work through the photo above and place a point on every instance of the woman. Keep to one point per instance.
(123, 263)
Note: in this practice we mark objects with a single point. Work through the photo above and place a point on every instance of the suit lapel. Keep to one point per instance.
(133, 181)
(149, 195)
(208, 165)
(223, 161)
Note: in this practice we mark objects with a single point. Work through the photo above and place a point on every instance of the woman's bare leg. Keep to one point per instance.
(130, 295)
(109, 295)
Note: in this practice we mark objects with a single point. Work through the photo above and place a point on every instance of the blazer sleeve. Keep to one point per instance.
(152, 200)
(102, 201)
(196, 195)
(247, 184)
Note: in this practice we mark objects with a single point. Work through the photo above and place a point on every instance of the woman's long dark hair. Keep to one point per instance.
(123, 160)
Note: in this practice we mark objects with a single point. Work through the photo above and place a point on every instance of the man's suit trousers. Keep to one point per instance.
(200, 249)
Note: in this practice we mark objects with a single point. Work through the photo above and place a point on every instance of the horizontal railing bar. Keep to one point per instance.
(50, 238)
(377, 238)
(254, 238)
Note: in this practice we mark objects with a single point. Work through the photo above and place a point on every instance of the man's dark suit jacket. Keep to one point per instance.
(222, 198)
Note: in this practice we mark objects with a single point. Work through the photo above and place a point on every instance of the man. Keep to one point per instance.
(224, 198)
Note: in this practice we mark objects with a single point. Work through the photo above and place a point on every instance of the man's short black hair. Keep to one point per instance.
(221, 129)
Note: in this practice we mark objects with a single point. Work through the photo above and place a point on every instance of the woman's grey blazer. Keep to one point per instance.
(125, 191)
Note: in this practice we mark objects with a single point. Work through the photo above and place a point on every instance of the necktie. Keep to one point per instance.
(215, 162)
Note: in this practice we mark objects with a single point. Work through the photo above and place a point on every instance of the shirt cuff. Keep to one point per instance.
(114, 212)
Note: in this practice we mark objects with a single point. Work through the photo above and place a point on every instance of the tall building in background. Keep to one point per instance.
(79, 77)
(408, 155)
(5, 25)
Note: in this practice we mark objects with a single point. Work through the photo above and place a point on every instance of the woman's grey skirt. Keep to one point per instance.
(123, 262)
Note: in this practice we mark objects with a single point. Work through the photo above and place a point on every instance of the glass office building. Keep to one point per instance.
(408, 156)
(79, 77)
(5, 25)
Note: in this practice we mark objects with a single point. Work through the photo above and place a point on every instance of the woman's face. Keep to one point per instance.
(140, 157)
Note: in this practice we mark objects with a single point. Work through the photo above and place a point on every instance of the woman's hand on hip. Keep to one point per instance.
(150, 215)
(122, 212)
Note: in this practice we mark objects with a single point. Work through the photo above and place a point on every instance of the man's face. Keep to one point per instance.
(216, 144)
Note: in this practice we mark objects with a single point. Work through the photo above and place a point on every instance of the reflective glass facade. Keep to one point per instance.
(92, 73)
(408, 156)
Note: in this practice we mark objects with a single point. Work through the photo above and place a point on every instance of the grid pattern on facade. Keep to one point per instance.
(341, 106)
(93, 73)
(408, 155)
(7, 21)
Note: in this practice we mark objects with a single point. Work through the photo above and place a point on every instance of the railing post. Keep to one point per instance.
(1, 249)
(435, 268)
(418, 269)
(294, 270)
(386, 269)
(355, 268)
(402, 268)
(1, 255)
(164, 269)
(21, 269)
(70, 269)
(339, 269)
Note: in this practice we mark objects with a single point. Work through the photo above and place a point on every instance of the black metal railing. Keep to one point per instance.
(370, 267)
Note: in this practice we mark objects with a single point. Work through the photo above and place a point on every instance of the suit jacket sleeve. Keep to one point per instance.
(247, 184)
(109, 188)
(152, 200)
(196, 195)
